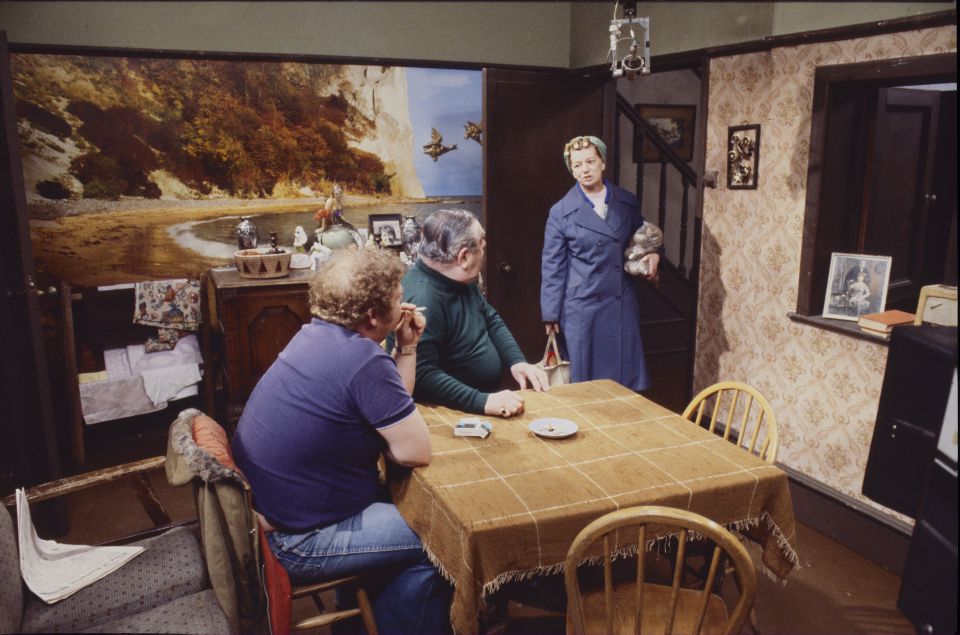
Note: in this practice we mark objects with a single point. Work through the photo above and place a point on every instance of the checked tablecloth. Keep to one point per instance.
(508, 506)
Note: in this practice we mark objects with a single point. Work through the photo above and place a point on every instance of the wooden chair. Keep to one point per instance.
(212, 445)
(755, 424)
(638, 606)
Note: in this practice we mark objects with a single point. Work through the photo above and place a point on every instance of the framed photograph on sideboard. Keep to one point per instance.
(385, 229)
(857, 284)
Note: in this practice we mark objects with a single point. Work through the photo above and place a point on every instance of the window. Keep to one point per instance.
(882, 174)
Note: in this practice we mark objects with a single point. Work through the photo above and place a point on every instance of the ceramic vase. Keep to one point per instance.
(410, 235)
(246, 233)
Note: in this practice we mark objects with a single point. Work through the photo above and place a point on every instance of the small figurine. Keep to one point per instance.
(334, 204)
(335, 232)
(274, 247)
(645, 240)
(435, 148)
(299, 240)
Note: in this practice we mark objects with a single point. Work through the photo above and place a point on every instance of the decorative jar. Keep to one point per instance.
(410, 235)
(246, 233)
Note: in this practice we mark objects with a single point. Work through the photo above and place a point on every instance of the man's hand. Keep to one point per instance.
(505, 403)
(411, 326)
(524, 372)
(552, 327)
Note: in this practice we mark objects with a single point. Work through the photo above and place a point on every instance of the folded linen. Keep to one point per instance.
(163, 384)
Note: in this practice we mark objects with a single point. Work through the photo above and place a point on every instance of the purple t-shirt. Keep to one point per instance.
(308, 439)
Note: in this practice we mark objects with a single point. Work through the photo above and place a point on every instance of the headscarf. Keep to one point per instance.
(582, 143)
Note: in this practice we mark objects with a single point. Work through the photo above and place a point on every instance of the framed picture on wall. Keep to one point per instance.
(743, 157)
(675, 125)
(856, 285)
(385, 229)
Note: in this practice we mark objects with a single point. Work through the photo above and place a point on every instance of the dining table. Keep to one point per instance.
(507, 507)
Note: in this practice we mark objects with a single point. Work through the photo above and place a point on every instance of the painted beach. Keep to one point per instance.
(136, 240)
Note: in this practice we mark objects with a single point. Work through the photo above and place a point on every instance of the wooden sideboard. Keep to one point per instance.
(251, 321)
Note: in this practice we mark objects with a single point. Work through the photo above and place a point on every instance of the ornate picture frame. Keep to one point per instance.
(743, 157)
(857, 285)
(676, 125)
(385, 229)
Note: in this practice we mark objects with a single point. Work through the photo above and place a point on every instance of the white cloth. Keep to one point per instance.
(54, 571)
(115, 399)
(168, 373)
(139, 382)
(164, 384)
(117, 363)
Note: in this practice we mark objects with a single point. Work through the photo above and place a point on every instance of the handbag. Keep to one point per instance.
(557, 370)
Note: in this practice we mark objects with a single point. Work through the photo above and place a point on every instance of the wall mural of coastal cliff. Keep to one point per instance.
(139, 168)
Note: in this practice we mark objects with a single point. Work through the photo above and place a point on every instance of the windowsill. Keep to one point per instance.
(844, 327)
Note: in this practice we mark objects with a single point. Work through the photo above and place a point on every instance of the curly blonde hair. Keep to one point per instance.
(353, 282)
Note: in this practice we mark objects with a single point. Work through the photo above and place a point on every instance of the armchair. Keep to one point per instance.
(163, 590)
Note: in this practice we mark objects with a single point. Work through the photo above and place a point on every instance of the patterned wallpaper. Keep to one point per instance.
(824, 387)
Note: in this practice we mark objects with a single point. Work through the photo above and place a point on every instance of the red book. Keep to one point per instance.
(884, 321)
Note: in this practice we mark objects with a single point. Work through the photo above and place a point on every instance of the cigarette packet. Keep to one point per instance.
(472, 427)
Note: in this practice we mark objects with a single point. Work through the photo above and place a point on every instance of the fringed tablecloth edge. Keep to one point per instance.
(783, 544)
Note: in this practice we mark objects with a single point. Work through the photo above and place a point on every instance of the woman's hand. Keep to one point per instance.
(552, 327)
(411, 326)
(505, 403)
(653, 263)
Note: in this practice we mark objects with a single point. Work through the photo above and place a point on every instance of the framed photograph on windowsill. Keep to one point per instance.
(675, 125)
(385, 229)
(856, 285)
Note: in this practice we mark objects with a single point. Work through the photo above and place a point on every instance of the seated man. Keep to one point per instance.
(312, 431)
(466, 344)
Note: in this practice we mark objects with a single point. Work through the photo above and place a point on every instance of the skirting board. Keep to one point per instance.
(857, 526)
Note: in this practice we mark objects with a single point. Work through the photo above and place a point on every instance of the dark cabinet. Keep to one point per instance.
(928, 593)
(906, 472)
(252, 321)
(916, 384)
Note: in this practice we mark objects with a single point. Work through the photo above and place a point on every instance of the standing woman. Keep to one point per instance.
(586, 296)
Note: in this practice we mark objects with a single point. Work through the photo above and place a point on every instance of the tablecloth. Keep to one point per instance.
(507, 507)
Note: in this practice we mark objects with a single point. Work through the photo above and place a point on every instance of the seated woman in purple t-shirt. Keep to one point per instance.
(312, 431)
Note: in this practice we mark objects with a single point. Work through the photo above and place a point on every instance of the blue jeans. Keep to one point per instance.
(407, 592)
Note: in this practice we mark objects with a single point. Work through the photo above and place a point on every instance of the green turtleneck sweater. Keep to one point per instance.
(466, 345)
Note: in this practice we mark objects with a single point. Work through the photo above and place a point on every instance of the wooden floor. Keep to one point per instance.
(833, 591)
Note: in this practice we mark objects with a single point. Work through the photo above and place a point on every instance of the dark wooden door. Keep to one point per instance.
(29, 453)
(896, 212)
(528, 117)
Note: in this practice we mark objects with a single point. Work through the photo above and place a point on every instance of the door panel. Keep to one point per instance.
(528, 117)
(895, 211)
(29, 452)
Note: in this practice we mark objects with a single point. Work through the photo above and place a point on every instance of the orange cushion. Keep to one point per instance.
(208, 435)
(278, 588)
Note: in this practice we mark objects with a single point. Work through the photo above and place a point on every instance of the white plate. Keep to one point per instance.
(553, 428)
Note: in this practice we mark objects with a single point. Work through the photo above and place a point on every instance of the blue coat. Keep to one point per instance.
(586, 290)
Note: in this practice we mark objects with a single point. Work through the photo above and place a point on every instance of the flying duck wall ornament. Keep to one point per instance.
(472, 130)
(435, 148)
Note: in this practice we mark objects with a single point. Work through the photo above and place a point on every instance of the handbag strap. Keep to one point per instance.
(552, 345)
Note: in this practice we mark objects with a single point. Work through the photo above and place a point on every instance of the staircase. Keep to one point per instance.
(669, 308)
